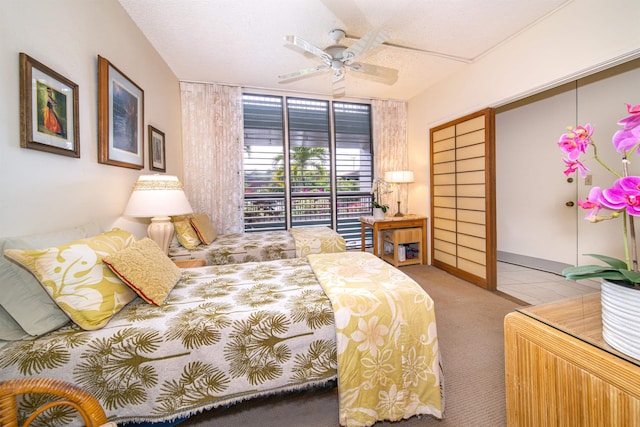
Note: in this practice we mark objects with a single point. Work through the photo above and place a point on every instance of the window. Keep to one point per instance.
(306, 162)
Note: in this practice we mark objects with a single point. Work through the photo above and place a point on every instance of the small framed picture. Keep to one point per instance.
(48, 109)
(120, 118)
(157, 161)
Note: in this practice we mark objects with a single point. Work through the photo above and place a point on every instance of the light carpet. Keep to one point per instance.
(470, 333)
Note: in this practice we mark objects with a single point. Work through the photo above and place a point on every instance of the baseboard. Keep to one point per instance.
(532, 262)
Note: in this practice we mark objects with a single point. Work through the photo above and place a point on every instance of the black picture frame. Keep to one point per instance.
(157, 159)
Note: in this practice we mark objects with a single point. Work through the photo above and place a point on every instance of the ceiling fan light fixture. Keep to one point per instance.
(338, 57)
(336, 35)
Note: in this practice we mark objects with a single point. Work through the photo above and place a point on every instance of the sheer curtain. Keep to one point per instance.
(212, 141)
(390, 146)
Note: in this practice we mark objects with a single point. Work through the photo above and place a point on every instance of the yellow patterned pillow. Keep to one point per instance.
(204, 228)
(75, 277)
(146, 269)
(186, 234)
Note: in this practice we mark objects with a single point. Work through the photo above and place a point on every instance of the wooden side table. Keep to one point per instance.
(403, 237)
(407, 221)
(190, 263)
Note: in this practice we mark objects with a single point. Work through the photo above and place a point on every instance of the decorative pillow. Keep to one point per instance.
(204, 228)
(186, 234)
(75, 277)
(11, 330)
(21, 295)
(146, 269)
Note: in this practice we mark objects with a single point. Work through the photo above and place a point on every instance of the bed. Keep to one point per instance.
(260, 246)
(227, 333)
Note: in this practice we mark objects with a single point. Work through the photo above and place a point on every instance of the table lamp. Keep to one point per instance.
(158, 197)
(398, 177)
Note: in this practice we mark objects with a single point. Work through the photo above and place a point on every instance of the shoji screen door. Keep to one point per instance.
(463, 222)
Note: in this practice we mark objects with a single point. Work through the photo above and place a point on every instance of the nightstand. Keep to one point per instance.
(407, 238)
(190, 263)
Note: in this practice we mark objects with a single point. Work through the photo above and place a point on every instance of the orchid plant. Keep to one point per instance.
(622, 200)
(380, 187)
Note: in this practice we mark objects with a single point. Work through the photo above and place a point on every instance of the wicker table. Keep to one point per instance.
(559, 370)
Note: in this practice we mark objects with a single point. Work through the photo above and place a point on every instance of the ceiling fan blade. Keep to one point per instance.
(305, 45)
(370, 40)
(378, 72)
(301, 73)
(338, 84)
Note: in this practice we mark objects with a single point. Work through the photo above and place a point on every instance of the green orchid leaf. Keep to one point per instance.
(584, 269)
(603, 274)
(613, 262)
(631, 276)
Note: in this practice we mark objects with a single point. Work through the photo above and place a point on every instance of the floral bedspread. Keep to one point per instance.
(388, 356)
(263, 246)
(225, 334)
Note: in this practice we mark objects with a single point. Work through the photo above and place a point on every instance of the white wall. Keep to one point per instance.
(580, 38)
(40, 191)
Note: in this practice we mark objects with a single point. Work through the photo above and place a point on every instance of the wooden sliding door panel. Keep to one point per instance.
(470, 165)
(472, 255)
(448, 167)
(445, 179)
(445, 246)
(445, 202)
(471, 152)
(444, 134)
(447, 213)
(472, 242)
(471, 268)
(471, 203)
(478, 230)
(474, 217)
(472, 190)
(473, 177)
(445, 236)
(463, 198)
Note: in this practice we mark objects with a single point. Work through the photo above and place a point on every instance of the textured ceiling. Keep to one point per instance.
(241, 42)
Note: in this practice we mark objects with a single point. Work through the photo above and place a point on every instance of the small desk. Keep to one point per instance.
(407, 221)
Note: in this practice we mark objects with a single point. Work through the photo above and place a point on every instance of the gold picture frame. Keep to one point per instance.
(48, 109)
(157, 159)
(120, 118)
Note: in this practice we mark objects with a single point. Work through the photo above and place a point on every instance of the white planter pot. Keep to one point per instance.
(378, 213)
(620, 316)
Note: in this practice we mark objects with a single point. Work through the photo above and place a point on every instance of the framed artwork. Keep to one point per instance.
(48, 109)
(157, 161)
(120, 118)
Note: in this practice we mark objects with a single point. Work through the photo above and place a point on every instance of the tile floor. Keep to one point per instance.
(537, 287)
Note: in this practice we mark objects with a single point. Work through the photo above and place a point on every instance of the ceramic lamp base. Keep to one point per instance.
(161, 231)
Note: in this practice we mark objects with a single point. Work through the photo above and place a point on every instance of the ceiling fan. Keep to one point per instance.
(339, 58)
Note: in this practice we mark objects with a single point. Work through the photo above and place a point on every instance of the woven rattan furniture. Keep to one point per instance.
(86, 405)
(560, 372)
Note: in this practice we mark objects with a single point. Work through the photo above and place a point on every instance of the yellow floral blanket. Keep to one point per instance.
(389, 364)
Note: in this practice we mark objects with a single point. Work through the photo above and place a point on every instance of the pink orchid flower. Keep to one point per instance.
(576, 142)
(625, 194)
(575, 165)
(633, 120)
(592, 203)
(627, 138)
